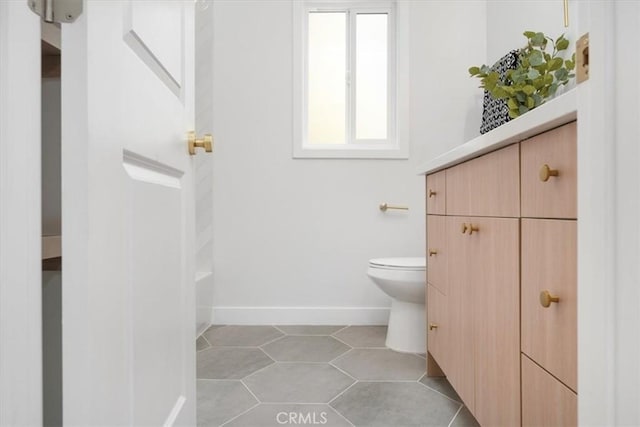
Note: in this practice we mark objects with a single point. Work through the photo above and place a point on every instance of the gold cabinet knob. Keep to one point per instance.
(463, 228)
(433, 252)
(205, 142)
(473, 228)
(546, 172)
(432, 193)
(546, 298)
(433, 326)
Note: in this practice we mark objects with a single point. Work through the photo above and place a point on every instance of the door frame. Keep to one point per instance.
(608, 212)
(20, 217)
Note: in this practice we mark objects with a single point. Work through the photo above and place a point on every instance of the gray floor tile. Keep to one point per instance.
(298, 383)
(242, 336)
(278, 414)
(201, 343)
(309, 329)
(381, 364)
(305, 349)
(442, 385)
(394, 404)
(363, 336)
(221, 363)
(465, 419)
(219, 401)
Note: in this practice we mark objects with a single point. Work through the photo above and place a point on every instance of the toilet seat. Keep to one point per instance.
(406, 264)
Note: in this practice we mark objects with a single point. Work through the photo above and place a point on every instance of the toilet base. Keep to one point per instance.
(407, 330)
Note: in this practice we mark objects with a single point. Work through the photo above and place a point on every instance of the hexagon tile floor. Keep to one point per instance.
(317, 375)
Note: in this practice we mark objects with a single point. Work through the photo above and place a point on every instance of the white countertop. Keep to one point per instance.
(549, 115)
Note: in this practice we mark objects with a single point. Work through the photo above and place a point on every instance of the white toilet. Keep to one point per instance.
(404, 280)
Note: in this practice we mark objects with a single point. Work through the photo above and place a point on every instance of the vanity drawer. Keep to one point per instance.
(486, 186)
(545, 400)
(436, 195)
(549, 174)
(437, 252)
(549, 334)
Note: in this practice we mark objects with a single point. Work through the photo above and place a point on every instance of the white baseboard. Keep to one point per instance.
(301, 315)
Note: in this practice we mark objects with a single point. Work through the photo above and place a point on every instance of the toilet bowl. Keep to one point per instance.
(404, 280)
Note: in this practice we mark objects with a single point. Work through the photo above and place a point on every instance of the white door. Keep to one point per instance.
(20, 258)
(128, 215)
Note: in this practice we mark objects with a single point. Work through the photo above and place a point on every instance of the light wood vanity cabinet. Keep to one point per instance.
(506, 355)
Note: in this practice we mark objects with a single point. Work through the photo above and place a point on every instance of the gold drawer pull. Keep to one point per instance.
(546, 298)
(463, 228)
(432, 193)
(546, 172)
(433, 326)
(433, 252)
(473, 228)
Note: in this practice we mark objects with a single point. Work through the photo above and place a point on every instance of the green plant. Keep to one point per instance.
(537, 77)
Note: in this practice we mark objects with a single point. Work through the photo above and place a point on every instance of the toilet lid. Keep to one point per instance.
(412, 263)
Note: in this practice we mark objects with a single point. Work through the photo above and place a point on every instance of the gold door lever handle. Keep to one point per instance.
(546, 172)
(546, 298)
(433, 326)
(433, 252)
(205, 142)
(432, 193)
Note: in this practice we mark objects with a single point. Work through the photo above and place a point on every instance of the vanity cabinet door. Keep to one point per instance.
(494, 276)
(549, 174)
(546, 402)
(549, 334)
(436, 193)
(460, 365)
(437, 252)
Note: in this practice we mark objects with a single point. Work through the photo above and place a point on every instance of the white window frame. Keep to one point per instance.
(396, 145)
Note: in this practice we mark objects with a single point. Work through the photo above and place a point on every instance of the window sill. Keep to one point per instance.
(351, 152)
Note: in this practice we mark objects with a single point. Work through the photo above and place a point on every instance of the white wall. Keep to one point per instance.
(298, 233)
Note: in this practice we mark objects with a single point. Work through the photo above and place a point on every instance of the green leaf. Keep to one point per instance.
(538, 39)
(521, 97)
(562, 74)
(552, 89)
(533, 74)
(536, 58)
(537, 100)
(562, 44)
(512, 103)
(555, 64)
(514, 113)
(474, 70)
(530, 102)
(529, 34)
(528, 89)
(523, 109)
(548, 79)
(569, 64)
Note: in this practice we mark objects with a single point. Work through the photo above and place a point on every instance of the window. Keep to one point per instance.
(345, 87)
